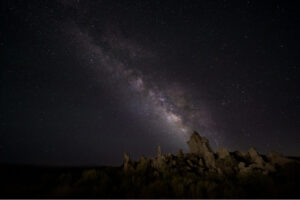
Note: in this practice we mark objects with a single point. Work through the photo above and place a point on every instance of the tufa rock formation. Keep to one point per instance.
(222, 153)
(200, 146)
(159, 162)
(277, 159)
(128, 164)
(202, 160)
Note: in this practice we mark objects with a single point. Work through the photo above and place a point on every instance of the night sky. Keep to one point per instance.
(82, 82)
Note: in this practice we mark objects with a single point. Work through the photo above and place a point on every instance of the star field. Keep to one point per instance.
(84, 81)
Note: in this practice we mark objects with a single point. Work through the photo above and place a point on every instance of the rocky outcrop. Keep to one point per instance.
(222, 153)
(277, 159)
(159, 162)
(180, 153)
(242, 156)
(256, 158)
(128, 164)
(202, 160)
(200, 146)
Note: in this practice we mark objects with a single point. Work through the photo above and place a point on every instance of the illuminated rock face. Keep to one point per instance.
(200, 146)
(222, 153)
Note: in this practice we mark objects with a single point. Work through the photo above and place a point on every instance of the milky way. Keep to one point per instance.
(82, 82)
(171, 107)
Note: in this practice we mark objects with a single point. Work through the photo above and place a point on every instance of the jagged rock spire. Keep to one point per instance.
(200, 146)
(127, 163)
(159, 151)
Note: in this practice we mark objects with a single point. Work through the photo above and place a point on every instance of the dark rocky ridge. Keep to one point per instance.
(202, 160)
(201, 173)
